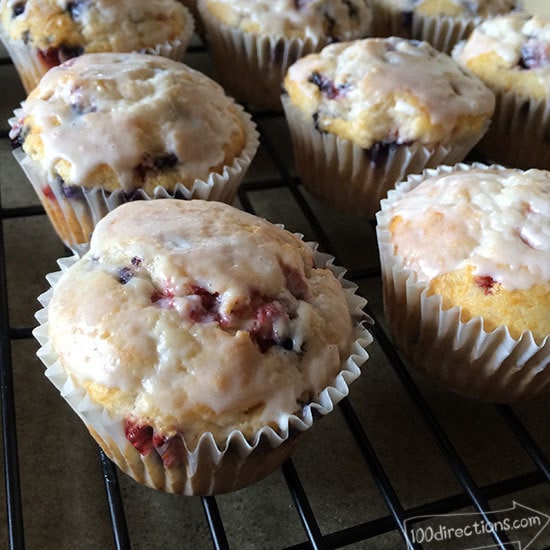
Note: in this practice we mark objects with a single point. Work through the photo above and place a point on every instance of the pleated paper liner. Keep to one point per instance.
(210, 467)
(252, 67)
(354, 180)
(519, 134)
(461, 356)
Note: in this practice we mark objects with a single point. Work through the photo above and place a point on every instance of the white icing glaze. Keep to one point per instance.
(119, 337)
(497, 221)
(309, 18)
(129, 24)
(506, 36)
(372, 70)
(120, 109)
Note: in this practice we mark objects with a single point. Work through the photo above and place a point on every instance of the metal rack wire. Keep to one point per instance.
(362, 534)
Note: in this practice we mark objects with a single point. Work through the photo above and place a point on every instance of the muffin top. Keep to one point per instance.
(388, 91)
(129, 121)
(454, 8)
(199, 317)
(480, 238)
(510, 52)
(78, 26)
(325, 20)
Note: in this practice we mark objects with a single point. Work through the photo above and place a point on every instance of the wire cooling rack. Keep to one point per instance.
(397, 450)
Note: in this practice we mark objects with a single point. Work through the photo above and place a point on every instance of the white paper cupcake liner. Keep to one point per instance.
(344, 175)
(75, 218)
(252, 67)
(461, 356)
(31, 67)
(26, 60)
(519, 134)
(442, 31)
(208, 468)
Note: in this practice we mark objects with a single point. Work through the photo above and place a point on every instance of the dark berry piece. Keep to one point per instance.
(166, 161)
(18, 8)
(486, 282)
(207, 310)
(159, 440)
(321, 82)
(125, 274)
(50, 56)
(80, 109)
(208, 300)
(140, 435)
(18, 135)
(76, 8)
(68, 52)
(72, 192)
(264, 331)
(327, 86)
(161, 162)
(55, 56)
(165, 296)
(69, 191)
(79, 103)
(301, 4)
(288, 344)
(136, 261)
(146, 440)
(535, 54)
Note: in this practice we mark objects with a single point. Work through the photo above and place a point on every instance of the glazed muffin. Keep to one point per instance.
(364, 114)
(207, 336)
(40, 34)
(253, 42)
(102, 129)
(511, 54)
(466, 272)
(443, 23)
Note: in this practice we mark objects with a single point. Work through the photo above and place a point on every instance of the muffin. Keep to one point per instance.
(206, 342)
(465, 255)
(253, 42)
(102, 129)
(40, 34)
(443, 23)
(511, 54)
(364, 114)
